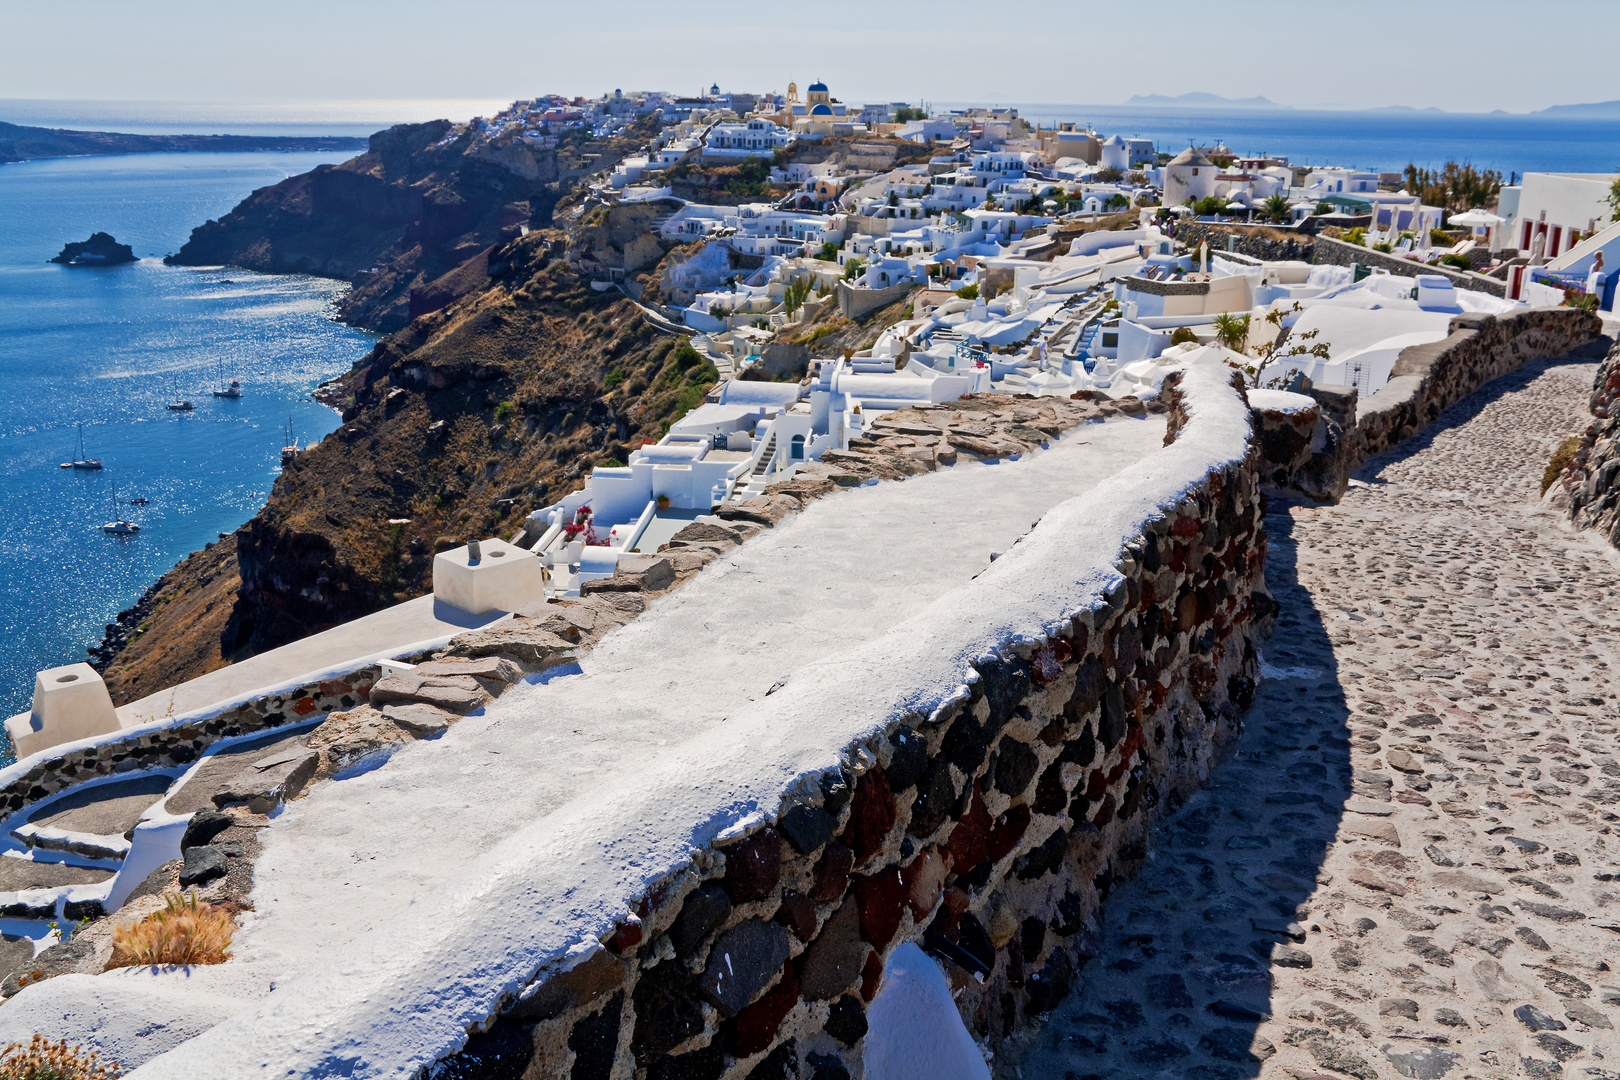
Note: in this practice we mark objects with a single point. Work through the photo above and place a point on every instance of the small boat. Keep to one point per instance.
(141, 501)
(291, 450)
(119, 526)
(233, 390)
(180, 406)
(79, 460)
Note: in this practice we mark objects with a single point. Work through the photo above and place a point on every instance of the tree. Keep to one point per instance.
(1108, 174)
(796, 294)
(853, 269)
(1455, 187)
(1232, 331)
(1323, 208)
(1614, 200)
(1209, 206)
(1276, 208)
(1280, 349)
(905, 114)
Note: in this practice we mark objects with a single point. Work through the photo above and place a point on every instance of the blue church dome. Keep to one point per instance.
(821, 110)
(817, 87)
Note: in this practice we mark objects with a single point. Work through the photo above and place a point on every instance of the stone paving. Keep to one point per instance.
(1409, 866)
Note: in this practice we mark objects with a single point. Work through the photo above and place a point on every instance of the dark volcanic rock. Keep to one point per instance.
(100, 250)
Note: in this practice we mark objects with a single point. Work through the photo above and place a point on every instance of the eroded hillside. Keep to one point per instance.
(455, 427)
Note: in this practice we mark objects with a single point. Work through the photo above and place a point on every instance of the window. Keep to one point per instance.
(796, 448)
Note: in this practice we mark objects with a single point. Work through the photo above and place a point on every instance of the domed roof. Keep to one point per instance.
(1191, 156)
(817, 87)
(821, 110)
(1114, 140)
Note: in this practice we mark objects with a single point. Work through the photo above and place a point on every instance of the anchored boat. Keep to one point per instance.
(79, 460)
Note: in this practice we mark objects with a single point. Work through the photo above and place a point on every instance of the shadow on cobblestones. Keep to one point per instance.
(1190, 944)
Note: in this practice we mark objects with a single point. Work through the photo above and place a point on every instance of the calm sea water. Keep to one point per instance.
(1382, 141)
(108, 348)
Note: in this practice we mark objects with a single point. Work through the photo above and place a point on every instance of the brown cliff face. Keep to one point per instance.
(418, 204)
(455, 427)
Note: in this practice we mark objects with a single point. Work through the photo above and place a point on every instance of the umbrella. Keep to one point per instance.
(1478, 218)
(1235, 205)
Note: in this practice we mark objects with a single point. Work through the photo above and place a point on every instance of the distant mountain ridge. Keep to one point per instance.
(1590, 109)
(1201, 100)
(18, 143)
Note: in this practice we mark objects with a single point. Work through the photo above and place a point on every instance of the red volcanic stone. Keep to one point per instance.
(1006, 833)
(1105, 812)
(1044, 666)
(832, 872)
(871, 978)
(1186, 526)
(970, 838)
(1096, 784)
(882, 899)
(924, 879)
(1054, 733)
(627, 936)
(871, 814)
(753, 867)
(755, 1028)
(798, 914)
(1062, 652)
(304, 706)
(335, 688)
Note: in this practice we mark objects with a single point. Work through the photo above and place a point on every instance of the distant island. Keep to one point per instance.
(100, 250)
(18, 143)
(1201, 100)
(1591, 110)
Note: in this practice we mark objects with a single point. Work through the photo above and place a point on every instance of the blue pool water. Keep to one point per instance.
(108, 348)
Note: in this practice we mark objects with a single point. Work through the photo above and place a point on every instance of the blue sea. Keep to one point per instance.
(108, 349)
(1385, 141)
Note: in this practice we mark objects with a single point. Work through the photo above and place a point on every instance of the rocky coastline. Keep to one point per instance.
(19, 143)
(100, 250)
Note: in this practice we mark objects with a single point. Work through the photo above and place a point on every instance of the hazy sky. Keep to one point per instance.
(1465, 55)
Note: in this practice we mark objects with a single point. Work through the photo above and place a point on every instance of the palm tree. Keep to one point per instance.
(1232, 331)
(1276, 208)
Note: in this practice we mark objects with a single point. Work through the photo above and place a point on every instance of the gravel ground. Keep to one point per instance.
(1409, 867)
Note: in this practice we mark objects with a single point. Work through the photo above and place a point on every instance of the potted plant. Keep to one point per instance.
(663, 502)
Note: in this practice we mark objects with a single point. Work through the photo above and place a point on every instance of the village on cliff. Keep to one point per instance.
(877, 739)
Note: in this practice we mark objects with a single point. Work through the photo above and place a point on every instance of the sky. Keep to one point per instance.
(1459, 55)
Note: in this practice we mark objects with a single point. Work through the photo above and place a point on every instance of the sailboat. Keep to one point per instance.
(79, 460)
(118, 526)
(232, 389)
(180, 404)
(291, 449)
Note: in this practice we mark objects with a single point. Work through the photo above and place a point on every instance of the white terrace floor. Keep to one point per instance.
(850, 567)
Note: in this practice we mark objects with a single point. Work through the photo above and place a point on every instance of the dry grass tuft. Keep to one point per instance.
(1560, 461)
(45, 1060)
(186, 931)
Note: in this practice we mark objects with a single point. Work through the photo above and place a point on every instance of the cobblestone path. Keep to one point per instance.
(1409, 868)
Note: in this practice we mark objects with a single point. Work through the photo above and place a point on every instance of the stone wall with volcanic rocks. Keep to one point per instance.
(990, 832)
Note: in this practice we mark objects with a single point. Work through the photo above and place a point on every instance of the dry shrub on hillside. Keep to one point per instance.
(185, 931)
(45, 1060)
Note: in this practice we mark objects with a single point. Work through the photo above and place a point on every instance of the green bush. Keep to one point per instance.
(613, 379)
(1183, 335)
(1459, 261)
(1210, 206)
(1324, 208)
(504, 411)
(968, 292)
